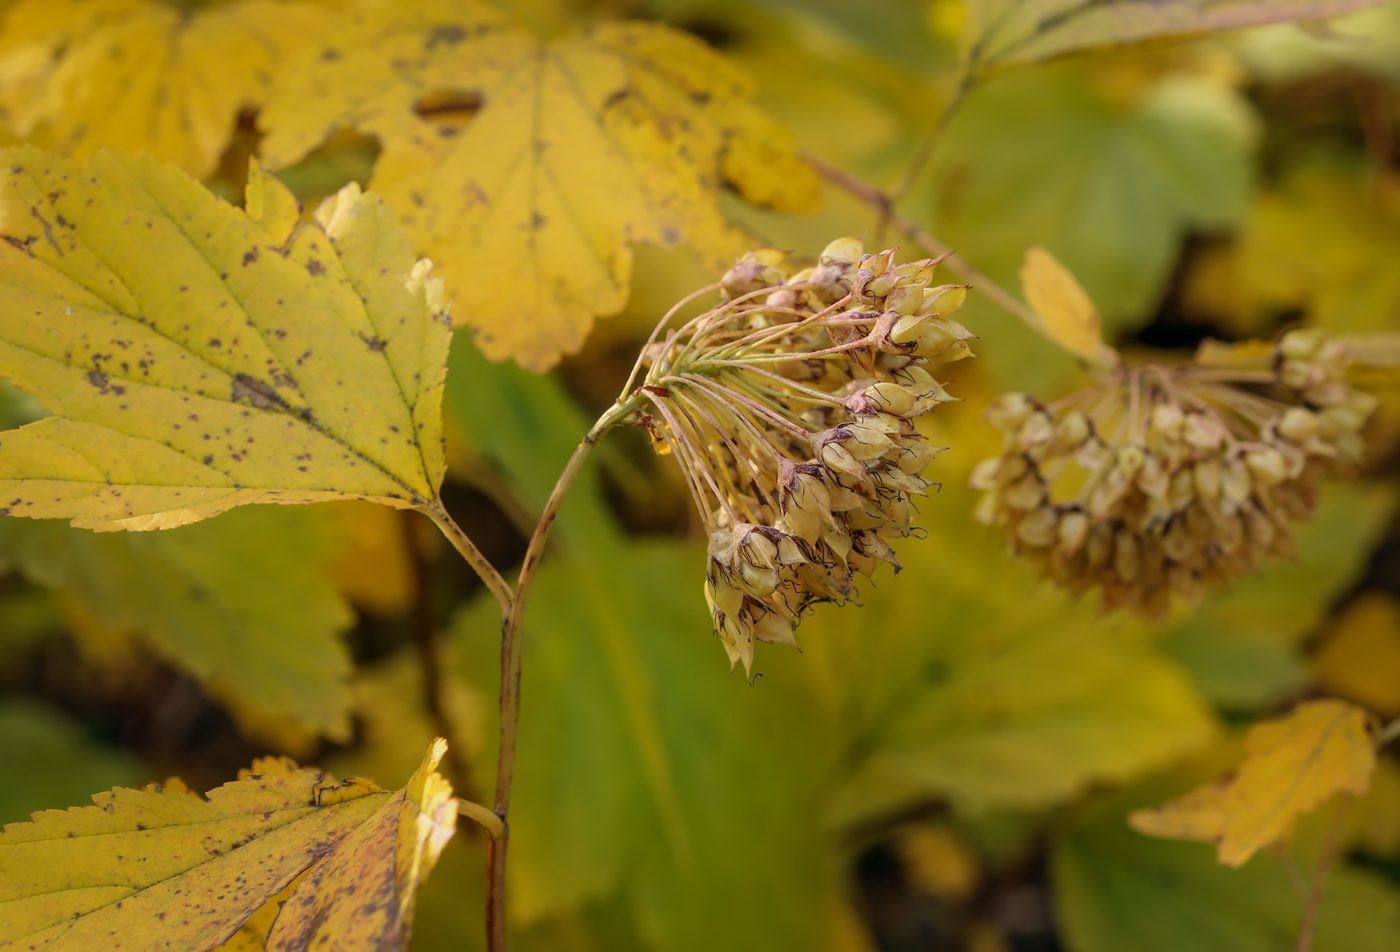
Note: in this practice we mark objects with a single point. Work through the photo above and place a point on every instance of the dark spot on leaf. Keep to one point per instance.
(446, 33)
(104, 384)
(452, 106)
(258, 393)
(250, 257)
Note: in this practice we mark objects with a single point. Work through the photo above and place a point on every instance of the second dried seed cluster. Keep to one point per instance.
(1166, 480)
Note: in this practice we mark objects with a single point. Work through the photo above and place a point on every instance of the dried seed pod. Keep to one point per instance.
(790, 407)
(1189, 476)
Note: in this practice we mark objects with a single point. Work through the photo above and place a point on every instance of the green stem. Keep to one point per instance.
(930, 142)
(487, 818)
(510, 673)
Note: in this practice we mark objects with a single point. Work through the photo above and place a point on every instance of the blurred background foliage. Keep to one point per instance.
(948, 768)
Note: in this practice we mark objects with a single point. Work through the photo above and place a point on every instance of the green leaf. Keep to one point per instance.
(242, 603)
(527, 425)
(1109, 188)
(1234, 671)
(989, 728)
(1116, 889)
(644, 767)
(55, 759)
(1002, 32)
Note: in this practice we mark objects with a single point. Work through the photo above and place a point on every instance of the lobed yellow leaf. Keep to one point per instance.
(144, 75)
(1292, 764)
(532, 167)
(1064, 307)
(197, 359)
(160, 869)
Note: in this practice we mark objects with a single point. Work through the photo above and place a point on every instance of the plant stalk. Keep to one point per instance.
(510, 673)
(1319, 880)
(465, 547)
(924, 153)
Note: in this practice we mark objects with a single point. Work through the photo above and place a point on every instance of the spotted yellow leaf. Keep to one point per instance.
(144, 75)
(1065, 310)
(157, 868)
(1291, 765)
(197, 359)
(530, 167)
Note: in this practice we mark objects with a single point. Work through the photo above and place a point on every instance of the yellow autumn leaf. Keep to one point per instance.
(196, 360)
(144, 75)
(177, 872)
(531, 167)
(1360, 659)
(375, 566)
(1066, 312)
(1291, 765)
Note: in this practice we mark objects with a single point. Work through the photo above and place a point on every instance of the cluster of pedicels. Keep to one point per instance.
(790, 407)
(1174, 479)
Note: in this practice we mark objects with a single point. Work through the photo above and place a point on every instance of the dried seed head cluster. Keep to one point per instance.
(1166, 480)
(790, 407)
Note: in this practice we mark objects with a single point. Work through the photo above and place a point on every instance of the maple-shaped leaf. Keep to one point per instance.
(530, 167)
(1291, 765)
(197, 358)
(161, 869)
(144, 75)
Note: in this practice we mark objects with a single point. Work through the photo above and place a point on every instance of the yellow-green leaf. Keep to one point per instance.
(242, 603)
(1291, 765)
(531, 167)
(155, 868)
(1002, 32)
(193, 364)
(144, 75)
(1065, 310)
